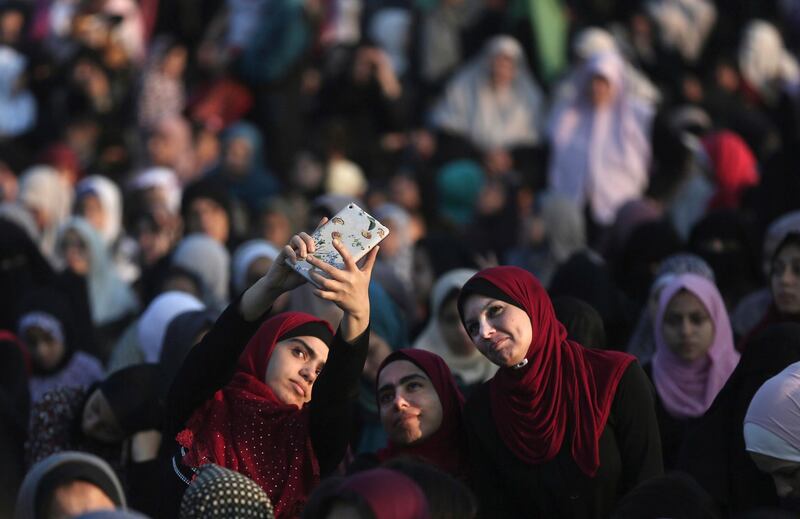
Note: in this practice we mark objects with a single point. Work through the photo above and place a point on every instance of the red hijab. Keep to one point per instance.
(563, 386)
(245, 428)
(735, 168)
(389, 494)
(446, 447)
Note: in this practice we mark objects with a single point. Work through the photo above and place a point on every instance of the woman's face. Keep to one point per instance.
(785, 474)
(90, 208)
(208, 217)
(785, 279)
(294, 366)
(599, 91)
(237, 156)
(687, 327)
(503, 70)
(98, 419)
(46, 351)
(453, 332)
(409, 406)
(75, 252)
(502, 332)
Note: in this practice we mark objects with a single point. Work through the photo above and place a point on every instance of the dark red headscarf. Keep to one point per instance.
(735, 168)
(563, 386)
(445, 448)
(389, 494)
(245, 428)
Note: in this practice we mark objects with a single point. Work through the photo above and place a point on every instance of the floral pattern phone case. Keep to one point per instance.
(358, 231)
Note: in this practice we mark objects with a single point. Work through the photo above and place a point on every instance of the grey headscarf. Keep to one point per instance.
(219, 493)
(60, 468)
(641, 342)
(206, 258)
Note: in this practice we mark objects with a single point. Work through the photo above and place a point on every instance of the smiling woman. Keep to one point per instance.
(560, 430)
(420, 408)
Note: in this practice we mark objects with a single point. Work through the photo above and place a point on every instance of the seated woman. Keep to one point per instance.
(600, 141)
(560, 430)
(694, 356)
(112, 302)
(97, 419)
(772, 431)
(492, 109)
(69, 484)
(784, 283)
(444, 335)
(243, 396)
(420, 409)
(47, 328)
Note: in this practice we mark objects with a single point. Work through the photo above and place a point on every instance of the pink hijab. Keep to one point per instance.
(601, 155)
(687, 389)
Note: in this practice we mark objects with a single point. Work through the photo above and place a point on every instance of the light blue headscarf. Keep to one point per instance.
(110, 298)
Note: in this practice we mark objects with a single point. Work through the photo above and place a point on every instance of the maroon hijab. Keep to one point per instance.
(245, 428)
(389, 494)
(446, 447)
(564, 386)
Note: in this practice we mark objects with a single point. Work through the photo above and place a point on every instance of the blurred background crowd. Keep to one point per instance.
(156, 154)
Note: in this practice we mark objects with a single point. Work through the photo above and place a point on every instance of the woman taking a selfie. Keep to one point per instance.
(243, 397)
(560, 430)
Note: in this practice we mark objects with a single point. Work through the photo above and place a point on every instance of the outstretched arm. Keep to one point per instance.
(336, 390)
(211, 364)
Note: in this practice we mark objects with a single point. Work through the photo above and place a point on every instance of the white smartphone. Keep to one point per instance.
(357, 230)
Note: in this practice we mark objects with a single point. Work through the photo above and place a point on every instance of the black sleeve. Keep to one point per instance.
(334, 398)
(486, 481)
(208, 367)
(636, 429)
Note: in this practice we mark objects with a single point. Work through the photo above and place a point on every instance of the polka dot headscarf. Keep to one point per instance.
(219, 493)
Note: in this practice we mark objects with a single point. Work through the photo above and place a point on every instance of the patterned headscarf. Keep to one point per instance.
(219, 492)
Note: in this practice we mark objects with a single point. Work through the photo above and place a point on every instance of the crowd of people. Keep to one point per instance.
(588, 304)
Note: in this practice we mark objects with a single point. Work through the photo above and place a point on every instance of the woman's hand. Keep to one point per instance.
(348, 288)
(280, 278)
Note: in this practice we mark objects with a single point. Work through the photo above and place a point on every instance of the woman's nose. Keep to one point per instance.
(400, 402)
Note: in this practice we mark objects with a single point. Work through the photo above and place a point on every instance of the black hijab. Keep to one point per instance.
(179, 339)
(672, 495)
(134, 395)
(725, 239)
(584, 325)
(53, 302)
(22, 269)
(587, 277)
(14, 412)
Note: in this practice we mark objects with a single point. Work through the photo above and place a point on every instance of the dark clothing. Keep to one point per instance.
(714, 452)
(630, 452)
(210, 366)
(673, 430)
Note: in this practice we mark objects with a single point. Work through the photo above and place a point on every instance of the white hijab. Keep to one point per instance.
(601, 156)
(110, 298)
(764, 61)
(472, 108)
(472, 369)
(43, 189)
(152, 326)
(245, 255)
(110, 199)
